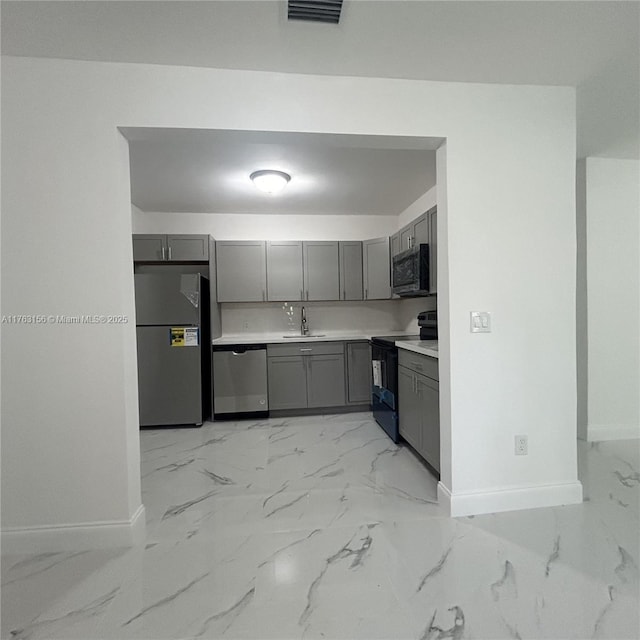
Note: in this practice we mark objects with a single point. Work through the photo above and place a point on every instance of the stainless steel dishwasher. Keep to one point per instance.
(240, 381)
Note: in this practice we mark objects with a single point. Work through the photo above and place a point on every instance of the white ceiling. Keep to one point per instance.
(208, 171)
(591, 45)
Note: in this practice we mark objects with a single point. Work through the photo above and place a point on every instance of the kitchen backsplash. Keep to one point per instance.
(271, 317)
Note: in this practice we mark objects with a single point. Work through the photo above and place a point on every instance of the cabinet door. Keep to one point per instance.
(358, 373)
(325, 381)
(396, 244)
(284, 271)
(149, 248)
(433, 250)
(376, 269)
(287, 377)
(406, 238)
(409, 420)
(429, 395)
(241, 271)
(420, 232)
(350, 270)
(188, 248)
(321, 271)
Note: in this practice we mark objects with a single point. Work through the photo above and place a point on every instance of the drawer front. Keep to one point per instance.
(419, 363)
(306, 349)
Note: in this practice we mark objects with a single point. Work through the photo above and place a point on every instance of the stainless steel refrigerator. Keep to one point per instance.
(174, 349)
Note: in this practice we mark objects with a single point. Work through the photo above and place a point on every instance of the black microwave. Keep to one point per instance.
(410, 272)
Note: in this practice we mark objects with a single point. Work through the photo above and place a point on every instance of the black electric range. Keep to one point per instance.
(384, 395)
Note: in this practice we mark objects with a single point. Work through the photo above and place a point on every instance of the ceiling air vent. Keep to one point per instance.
(315, 10)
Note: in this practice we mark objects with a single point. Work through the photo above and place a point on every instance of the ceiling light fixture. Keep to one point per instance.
(270, 181)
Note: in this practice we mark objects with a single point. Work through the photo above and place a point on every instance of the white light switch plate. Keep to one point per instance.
(480, 322)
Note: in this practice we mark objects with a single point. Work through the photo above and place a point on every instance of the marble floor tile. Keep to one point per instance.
(321, 527)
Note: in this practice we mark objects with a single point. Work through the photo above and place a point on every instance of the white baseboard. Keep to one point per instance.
(476, 503)
(68, 537)
(600, 432)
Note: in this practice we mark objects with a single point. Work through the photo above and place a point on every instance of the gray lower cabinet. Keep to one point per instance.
(358, 373)
(409, 415)
(284, 271)
(419, 404)
(321, 270)
(376, 269)
(287, 377)
(429, 394)
(170, 248)
(351, 270)
(325, 381)
(306, 375)
(241, 271)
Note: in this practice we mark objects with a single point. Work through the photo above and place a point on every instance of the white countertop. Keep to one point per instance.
(425, 347)
(320, 336)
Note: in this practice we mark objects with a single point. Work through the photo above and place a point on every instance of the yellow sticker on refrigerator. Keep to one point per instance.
(184, 337)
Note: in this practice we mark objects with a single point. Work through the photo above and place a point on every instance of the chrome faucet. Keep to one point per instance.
(304, 328)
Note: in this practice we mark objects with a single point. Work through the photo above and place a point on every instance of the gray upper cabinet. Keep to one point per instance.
(413, 234)
(170, 248)
(149, 247)
(351, 270)
(321, 271)
(241, 271)
(396, 244)
(420, 231)
(284, 271)
(358, 373)
(186, 248)
(406, 236)
(376, 269)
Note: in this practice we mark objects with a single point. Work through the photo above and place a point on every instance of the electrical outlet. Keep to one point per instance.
(521, 445)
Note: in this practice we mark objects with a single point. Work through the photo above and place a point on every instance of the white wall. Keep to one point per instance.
(69, 453)
(249, 226)
(582, 338)
(425, 202)
(613, 285)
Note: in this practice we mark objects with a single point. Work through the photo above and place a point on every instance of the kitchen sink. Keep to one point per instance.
(301, 337)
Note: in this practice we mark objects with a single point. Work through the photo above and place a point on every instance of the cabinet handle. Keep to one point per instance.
(163, 252)
(310, 349)
(169, 252)
(417, 365)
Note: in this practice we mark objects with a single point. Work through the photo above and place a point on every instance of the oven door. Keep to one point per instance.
(384, 363)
